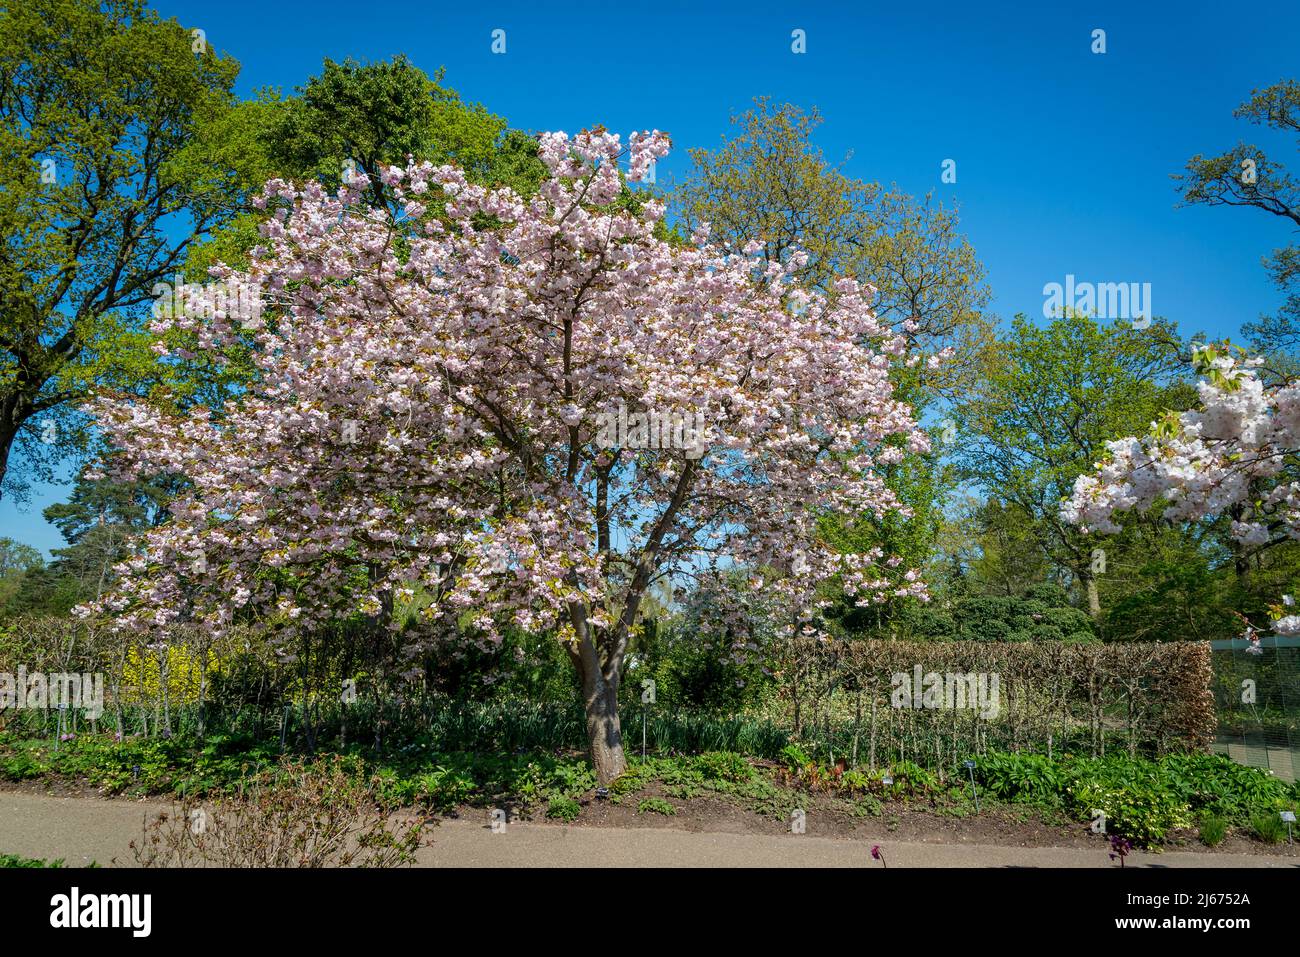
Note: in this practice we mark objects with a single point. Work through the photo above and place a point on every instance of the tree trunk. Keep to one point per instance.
(604, 735)
(14, 408)
(1090, 587)
(6, 442)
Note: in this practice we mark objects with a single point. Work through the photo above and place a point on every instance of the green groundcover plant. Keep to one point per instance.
(1142, 799)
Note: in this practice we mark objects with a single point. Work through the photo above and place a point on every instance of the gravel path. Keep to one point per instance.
(82, 829)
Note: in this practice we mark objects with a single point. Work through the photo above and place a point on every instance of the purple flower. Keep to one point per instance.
(1119, 848)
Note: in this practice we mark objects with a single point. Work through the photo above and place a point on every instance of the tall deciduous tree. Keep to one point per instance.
(769, 183)
(377, 114)
(105, 184)
(1042, 418)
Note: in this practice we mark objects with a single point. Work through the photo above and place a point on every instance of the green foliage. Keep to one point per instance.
(691, 671)
(1028, 778)
(656, 806)
(1213, 829)
(770, 183)
(465, 778)
(99, 520)
(563, 808)
(143, 765)
(1146, 814)
(364, 116)
(1042, 613)
(1268, 827)
(1044, 413)
(377, 114)
(22, 765)
(724, 766)
(14, 860)
(18, 562)
(1177, 592)
(1142, 799)
(793, 757)
(1218, 785)
(1221, 181)
(104, 187)
(912, 779)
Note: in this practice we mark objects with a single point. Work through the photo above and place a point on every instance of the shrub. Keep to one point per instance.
(1044, 686)
(1221, 786)
(563, 808)
(724, 766)
(1030, 778)
(1144, 815)
(446, 787)
(794, 758)
(22, 766)
(300, 815)
(911, 779)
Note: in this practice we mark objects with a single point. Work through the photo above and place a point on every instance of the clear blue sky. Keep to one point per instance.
(1063, 156)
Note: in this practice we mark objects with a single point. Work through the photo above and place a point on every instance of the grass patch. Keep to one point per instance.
(1268, 828)
(1213, 830)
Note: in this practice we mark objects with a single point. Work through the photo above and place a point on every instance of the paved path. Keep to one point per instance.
(82, 829)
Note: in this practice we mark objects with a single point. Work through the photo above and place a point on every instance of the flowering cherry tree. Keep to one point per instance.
(1236, 455)
(427, 420)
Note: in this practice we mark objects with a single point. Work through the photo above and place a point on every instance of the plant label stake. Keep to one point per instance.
(1289, 817)
(647, 698)
(58, 734)
(970, 766)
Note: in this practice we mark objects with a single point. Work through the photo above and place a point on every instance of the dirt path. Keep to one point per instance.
(82, 829)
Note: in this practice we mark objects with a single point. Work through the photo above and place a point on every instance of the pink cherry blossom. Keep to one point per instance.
(1235, 454)
(425, 406)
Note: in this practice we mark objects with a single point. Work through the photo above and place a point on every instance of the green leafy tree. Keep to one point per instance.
(921, 482)
(1011, 558)
(769, 183)
(376, 115)
(104, 188)
(17, 562)
(1246, 176)
(362, 117)
(1041, 612)
(1056, 395)
(98, 521)
(352, 116)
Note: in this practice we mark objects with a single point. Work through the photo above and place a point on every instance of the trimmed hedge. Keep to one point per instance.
(1147, 697)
